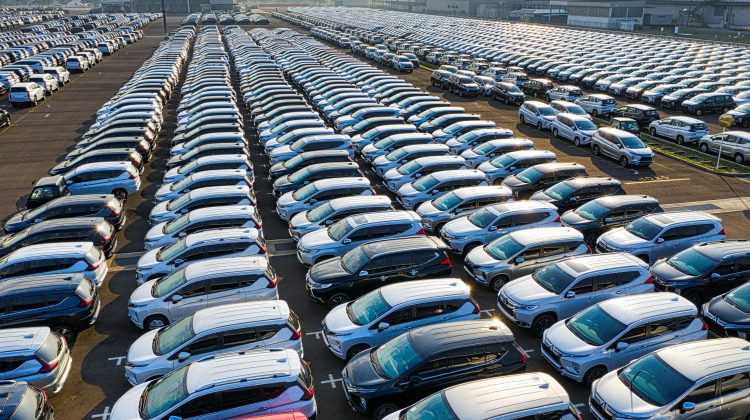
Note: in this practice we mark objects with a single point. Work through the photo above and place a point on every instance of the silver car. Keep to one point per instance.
(35, 355)
(622, 146)
(321, 191)
(331, 212)
(493, 148)
(437, 184)
(512, 163)
(608, 335)
(398, 157)
(733, 144)
(460, 202)
(417, 168)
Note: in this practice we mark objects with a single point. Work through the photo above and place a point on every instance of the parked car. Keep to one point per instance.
(622, 146)
(644, 115)
(731, 144)
(75, 229)
(541, 176)
(319, 192)
(327, 214)
(597, 104)
(707, 103)
(37, 356)
(23, 401)
(680, 129)
(574, 192)
(537, 114)
(26, 93)
(573, 127)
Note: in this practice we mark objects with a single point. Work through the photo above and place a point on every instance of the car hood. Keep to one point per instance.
(148, 259)
(561, 338)
(618, 397)
(620, 237)
(407, 190)
(142, 294)
(392, 174)
(141, 352)
(726, 312)
(326, 271)
(469, 154)
(280, 151)
(479, 257)
(171, 174)
(337, 321)
(526, 291)
(160, 209)
(361, 373)
(299, 220)
(669, 274)
(512, 181)
(127, 406)
(316, 240)
(380, 160)
(16, 219)
(164, 190)
(428, 209)
(286, 199)
(460, 227)
(542, 196)
(572, 219)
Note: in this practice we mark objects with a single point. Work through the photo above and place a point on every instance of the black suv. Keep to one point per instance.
(727, 315)
(427, 359)
(462, 85)
(306, 159)
(643, 114)
(704, 270)
(304, 176)
(66, 303)
(375, 264)
(508, 93)
(706, 103)
(74, 229)
(439, 78)
(574, 192)
(86, 205)
(21, 401)
(537, 87)
(45, 190)
(606, 213)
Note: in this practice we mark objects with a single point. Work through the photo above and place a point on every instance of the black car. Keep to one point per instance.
(508, 93)
(304, 176)
(643, 114)
(21, 401)
(66, 303)
(426, 360)
(574, 192)
(370, 123)
(140, 144)
(675, 99)
(4, 116)
(462, 85)
(374, 264)
(740, 116)
(538, 177)
(537, 87)
(107, 206)
(45, 190)
(439, 78)
(104, 155)
(306, 159)
(728, 315)
(707, 103)
(625, 124)
(74, 229)
(606, 213)
(704, 270)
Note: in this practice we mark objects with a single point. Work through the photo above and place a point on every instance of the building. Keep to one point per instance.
(605, 14)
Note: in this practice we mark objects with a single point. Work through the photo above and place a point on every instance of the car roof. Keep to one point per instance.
(11, 395)
(521, 205)
(544, 234)
(458, 174)
(383, 216)
(448, 336)
(47, 282)
(21, 340)
(613, 201)
(742, 134)
(531, 154)
(358, 202)
(584, 181)
(505, 395)
(409, 243)
(239, 314)
(688, 120)
(67, 223)
(444, 288)
(213, 212)
(68, 249)
(718, 250)
(573, 117)
(557, 166)
(239, 265)
(220, 235)
(669, 218)
(483, 191)
(218, 173)
(698, 359)
(589, 263)
(242, 367)
(330, 183)
(631, 309)
(86, 167)
(219, 190)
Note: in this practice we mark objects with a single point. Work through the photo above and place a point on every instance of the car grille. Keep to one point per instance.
(506, 304)
(550, 353)
(715, 327)
(600, 411)
(601, 248)
(648, 159)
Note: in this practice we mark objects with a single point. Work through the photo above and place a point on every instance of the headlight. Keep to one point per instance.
(528, 307)
(572, 365)
(321, 285)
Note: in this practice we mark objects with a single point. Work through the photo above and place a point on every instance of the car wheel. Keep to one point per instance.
(595, 150)
(497, 283)
(541, 323)
(384, 409)
(507, 101)
(121, 194)
(65, 331)
(555, 133)
(337, 299)
(624, 162)
(593, 374)
(725, 110)
(738, 158)
(699, 112)
(523, 120)
(652, 131)
(539, 126)
(155, 322)
(356, 350)
(576, 141)
(36, 102)
(595, 113)
(703, 147)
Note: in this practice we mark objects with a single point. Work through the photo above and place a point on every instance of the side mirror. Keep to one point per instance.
(570, 295)
(383, 326)
(492, 228)
(459, 210)
(607, 220)
(68, 182)
(182, 234)
(573, 199)
(621, 345)
(346, 241)
(176, 298)
(715, 275)
(178, 261)
(519, 260)
(313, 201)
(687, 406)
(363, 273)
(183, 211)
(512, 168)
(417, 175)
(37, 220)
(619, 146)
(307, 182)
(183, 355)
(659, 240)
(329, 222)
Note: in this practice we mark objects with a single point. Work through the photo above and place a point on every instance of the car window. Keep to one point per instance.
(583, 286)
(553, 249)
(703, 393)
(238, 338)
(221, 285)
(193, 290)
(403, 259)
(734, 383)
(400, 317)
(530, 254)
(627, 276)
(605, 281)
(430, 310)
(635, 335)
(196, 407)
(204, 345)
(234, 398)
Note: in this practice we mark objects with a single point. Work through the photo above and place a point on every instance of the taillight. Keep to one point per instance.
(93, 266)
(309, 393)
(522, 354)
(558, 220)
(262, 249)
(133, 175)
(722, 232)
(446, 261)
(421, 232)
(477, 309)
(296, 334)
(589, 250)
(272, 282)
(47, 367)
(705, 325)
(44, 394)
(85, 302)
(650, 280)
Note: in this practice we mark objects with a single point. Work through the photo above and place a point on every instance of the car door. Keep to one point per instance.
(223, 291)
(243, 401)
(527, 261)
(399, 321)
(735, 395)
(582, 297)
(201, 407)
(374, 274)
(197, 349)
(187, 300)
(707, 403)
(636, 339)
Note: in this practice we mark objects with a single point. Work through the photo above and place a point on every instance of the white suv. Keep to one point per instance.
(24, 93)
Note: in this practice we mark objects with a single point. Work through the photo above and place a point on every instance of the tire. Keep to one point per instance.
(703, 148)
(680, 140)
(121, 194)
(469, 247)
(337, 299)
(595, 113)
(699, 112)
(541, 323)
(155, 322)
(497, 283)
(738, 158)
(624, 162)
(653, 131)
(36, 102)
(555, 133)
(438, 228)
(66, 331)
(383, 410)
(523, 119)
(507, 101)
(539, 126)
(356, 350)
(577, 142)
(695, 295)
(593, 374)
(595, 150)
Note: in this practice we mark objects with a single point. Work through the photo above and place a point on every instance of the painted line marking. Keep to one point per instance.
(654, 181)
(332, 381)
(104, 414)
(317, 334)
(725, 205)
(118, 360)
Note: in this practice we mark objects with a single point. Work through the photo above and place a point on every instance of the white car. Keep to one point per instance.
(680, 129)
(25, 93)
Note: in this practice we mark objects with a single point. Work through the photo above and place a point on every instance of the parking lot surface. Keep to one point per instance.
(40, 136)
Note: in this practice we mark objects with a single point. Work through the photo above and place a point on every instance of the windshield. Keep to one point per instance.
(632, 142)
(171, 337)
(553, 278)
(293, 162)
(354, 260)
(163, 394)
(425, 183)
(547, 111)
(585, 125)
(13, 239)
(188, 168)
(482, 218)
(396, 357)
(409, 168)
(503, 248)
(305, 192)
(484, 148)
(181, 185)
(530, 175)
(299, 176)
(340, 229)
(740, 298)
(320, 213)
(591, 210)
(367, 308)
(503, 161)
(447, 201)
(434, 407)
(168, 252)
(575, 110)
(692, 262)
(643, 229)
(396, 155)
(513, 89)
(594, 326)
(654, 381)
(168, 284)
(179, 202)
(560, 191)
(177, 224)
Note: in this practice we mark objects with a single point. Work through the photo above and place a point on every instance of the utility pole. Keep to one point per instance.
(164, 17)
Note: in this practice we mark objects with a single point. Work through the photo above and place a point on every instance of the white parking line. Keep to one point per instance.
(316, 334)
(118, 360)
(713, 206)
(332, 381)
(104, 414)
(654, 181)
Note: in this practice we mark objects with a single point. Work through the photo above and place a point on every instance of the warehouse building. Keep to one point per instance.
(176, 7)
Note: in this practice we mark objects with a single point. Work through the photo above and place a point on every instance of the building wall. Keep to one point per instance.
(172, 6)
(448, 7)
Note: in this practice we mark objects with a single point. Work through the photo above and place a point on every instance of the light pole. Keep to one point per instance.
(164, 17)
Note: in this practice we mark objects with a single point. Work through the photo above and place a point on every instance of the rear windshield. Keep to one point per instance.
(49, 349)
